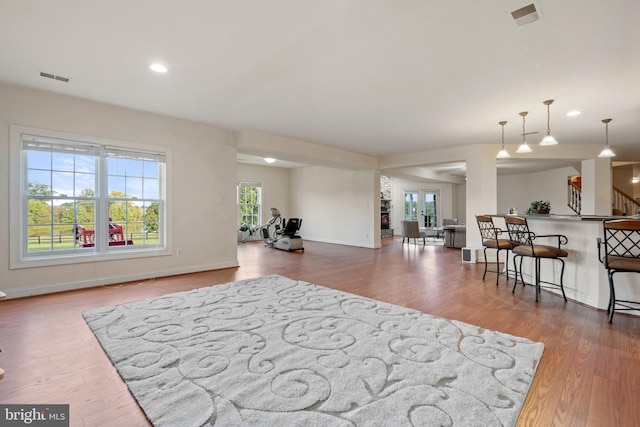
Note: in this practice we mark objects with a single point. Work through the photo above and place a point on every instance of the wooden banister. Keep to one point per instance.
(574, 197)
(624, 202)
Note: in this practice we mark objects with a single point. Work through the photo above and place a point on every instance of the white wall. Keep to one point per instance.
(336, 205)
(621, 176)
(294, 150)
(202, 203)
(521, 190)
(275, 187)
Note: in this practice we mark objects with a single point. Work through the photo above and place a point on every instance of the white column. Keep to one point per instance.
(596, 187)
(377, 243)
(482, 187)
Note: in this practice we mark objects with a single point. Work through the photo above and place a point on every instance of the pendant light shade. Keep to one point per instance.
(606, 151)
(502, 154)
(548, 138)
(524, 147)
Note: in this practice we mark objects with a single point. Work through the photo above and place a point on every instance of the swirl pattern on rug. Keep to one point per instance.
(273, 351)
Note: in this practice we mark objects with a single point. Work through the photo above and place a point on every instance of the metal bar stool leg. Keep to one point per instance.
(497, 266)
(537, 278)
(506, 265)
(515, 267)
(485, 262)
(612, 297)
(561, 280)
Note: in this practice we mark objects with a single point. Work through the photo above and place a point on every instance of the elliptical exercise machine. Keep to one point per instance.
(282, 237)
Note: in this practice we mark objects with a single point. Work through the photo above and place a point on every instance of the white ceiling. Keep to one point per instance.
(372, 77)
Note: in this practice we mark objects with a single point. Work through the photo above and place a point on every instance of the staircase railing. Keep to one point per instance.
(574, 197)
(622, 202)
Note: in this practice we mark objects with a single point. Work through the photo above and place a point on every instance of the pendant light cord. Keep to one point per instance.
(548, 116)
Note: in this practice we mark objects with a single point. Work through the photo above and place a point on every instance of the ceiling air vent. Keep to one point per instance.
(525, 15)
(54, 77)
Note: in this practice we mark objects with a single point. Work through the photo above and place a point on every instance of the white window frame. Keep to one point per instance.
(250, 183)
(420, 205)
(18, 256)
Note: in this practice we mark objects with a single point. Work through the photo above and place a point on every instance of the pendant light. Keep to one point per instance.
(502, 154)
(524, 147)
(548, 139)
(606, 151)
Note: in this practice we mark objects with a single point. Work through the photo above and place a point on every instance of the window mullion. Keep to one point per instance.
(102, 203)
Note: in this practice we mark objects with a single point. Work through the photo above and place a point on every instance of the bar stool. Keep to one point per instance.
(524, 240)
(621, 255)
(490, 240)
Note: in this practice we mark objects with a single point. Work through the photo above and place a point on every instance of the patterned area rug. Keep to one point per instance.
(278, 352)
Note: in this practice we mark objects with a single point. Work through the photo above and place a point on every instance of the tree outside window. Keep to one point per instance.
(250, 205)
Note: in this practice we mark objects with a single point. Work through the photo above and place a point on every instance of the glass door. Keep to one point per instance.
(411, 208)
(422, 203)
(430, 208)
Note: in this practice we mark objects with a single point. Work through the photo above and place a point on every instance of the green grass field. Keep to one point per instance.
(67, 242)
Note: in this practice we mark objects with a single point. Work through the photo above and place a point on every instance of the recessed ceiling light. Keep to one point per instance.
(269, 159)
(158, 68)
(574, 113)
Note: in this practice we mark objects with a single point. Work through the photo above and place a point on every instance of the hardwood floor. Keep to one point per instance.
(589, 373)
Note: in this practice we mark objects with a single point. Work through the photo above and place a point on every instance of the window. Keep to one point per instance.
(250, 204)
(84, 198)
(134, 197)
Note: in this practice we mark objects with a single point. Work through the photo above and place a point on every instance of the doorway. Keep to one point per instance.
(422, 203)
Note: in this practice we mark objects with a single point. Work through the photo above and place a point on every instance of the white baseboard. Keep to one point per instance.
(69, 286)
(340, 242)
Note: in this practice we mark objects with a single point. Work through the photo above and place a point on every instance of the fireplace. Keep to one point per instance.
(384, 220)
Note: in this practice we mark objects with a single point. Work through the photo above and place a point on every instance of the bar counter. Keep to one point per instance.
(585, 278)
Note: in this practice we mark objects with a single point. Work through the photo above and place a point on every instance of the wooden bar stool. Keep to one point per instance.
(621, 248)
(524, 240)
(490, 240)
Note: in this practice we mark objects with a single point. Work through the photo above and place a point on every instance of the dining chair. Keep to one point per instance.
(411, 230)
